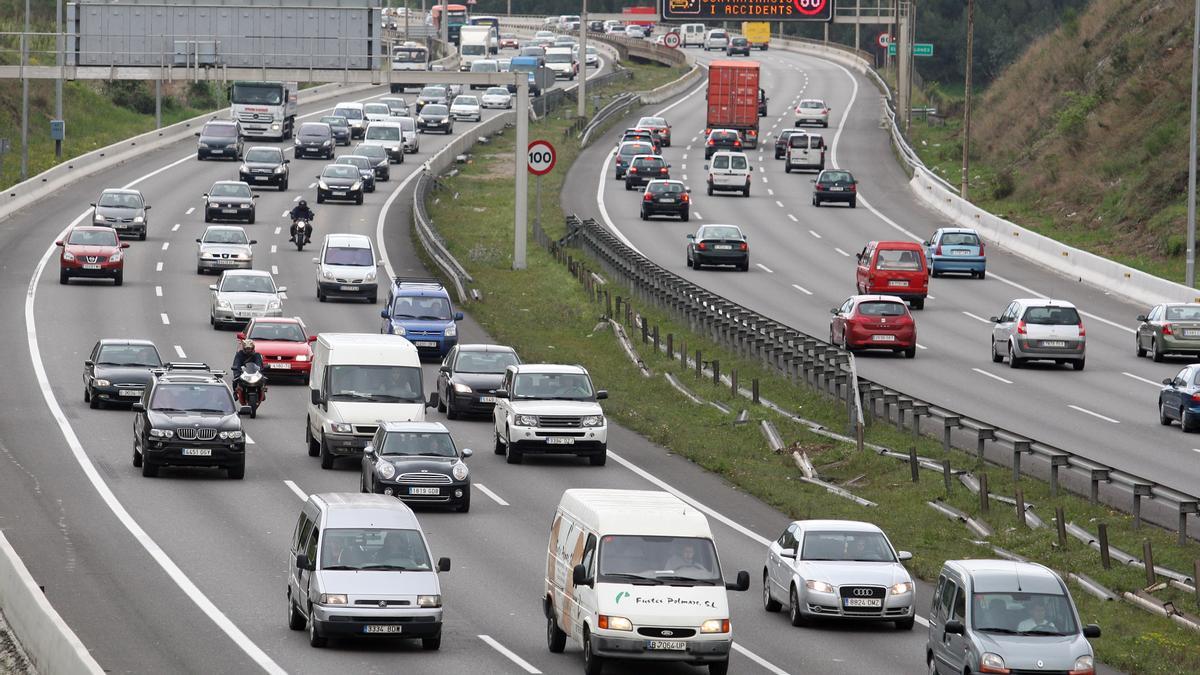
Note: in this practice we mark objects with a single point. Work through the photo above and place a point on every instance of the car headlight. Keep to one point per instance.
(321, 184)
(420, 119)
(1084, 664)
(451, 331)
(67, 255)
(526, 420)
(399, 330)
(331, 599)
(116, 257)
(274, 304)
(593, 421)
(230, 435)
(356, 186)
(162, 433)
(386, 470)
(244, 169)
(901, 588)
(326, 274)
(992, 661)
(326, 144)
(99, 219)
(615, 622)
(223, 304)
(279, 169)
(429, 601)
(370, 276)
(297, 140)
(818, 586)
(341, 428)
(462, 389)
(139, 219)
(302, 358)
(715, 626)
(274, 127)
(459, 471)
(101, 383)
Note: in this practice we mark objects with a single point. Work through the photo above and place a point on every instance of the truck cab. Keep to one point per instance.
(264, 109)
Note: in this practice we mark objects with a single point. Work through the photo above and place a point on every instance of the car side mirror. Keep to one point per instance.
(927, 243)
(58, 243)
(302, 562)
(198, 240)
(689, 191)
(1091, 631)
(314, 396)
(1141, 317)
(742, 583)
(241, 336)
(253, 241)
(281, 289)
(312, 338)
(499, 393)
(197, 134)
(138, 406)
(579, 576)
(1169, 381)
(706, 167)
(467, 452)
(244, 411)
(788, 553)
(458, 316)
(369, 449)
(443, 564)
(835, 311)
(91, 204)
(601, 394)
(903, 555)
(89, 363)
(287, 161)
(212, 287)
(954, 627)
(205, 195)
(691, 237)
(383, 313)
(444, 369)
(146, 207)
(254, 196)
(994, 319)
(433, 400)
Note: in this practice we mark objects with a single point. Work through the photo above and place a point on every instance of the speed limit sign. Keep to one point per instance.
(541, 157)
(671, 40)
(884, 39)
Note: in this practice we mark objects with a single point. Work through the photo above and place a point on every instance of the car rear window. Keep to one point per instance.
(738, 162)
(377, 109)
(881, 308)
(798, 141)
(811, 104)
(836, 177)
(959, 239)
(900, 260)
(1183, 313)
(666, 187)
(631, 149)
(1051, 316)
(725, 136)
(720, 233)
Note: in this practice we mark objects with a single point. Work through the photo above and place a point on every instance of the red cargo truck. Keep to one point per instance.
(733, 98)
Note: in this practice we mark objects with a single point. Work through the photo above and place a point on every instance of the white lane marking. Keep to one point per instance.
(764, 268)
(93, 475)
(158, 291)
(977, 317)
(296, 199)
(765, 179)
(495, 497)
(249, 441)
(930, 297)
(802, 289)
(1093, 414)
(279, 229)
(165, 319)
(697, 214)
(685, 177)
(296, 490)
(779, 204)
(758, 659)
(508, 654)
(166, 245)
(815, 233)
(921, 346)
(175, 228)
(770, 192)
(312, 185)
(158, 266)
(1141, 379)
(190, 211)
(180, 352)
(274, 269)
(842, 252)
(282, 215)
(994, 377)
(1195, 449)
(274, 248)
(793, 218)
(685, 156)
(603, 210)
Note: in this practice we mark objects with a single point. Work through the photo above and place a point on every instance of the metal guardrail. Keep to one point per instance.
(824, 366)
(621, 105)
(432, 242)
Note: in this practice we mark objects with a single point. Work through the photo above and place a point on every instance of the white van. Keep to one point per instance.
(353, 112)
(692, 34)
(358, 380)
(634, 574)
(729, 172)
(805, 152)
(360, 566)
(347, 267)
(390, 135)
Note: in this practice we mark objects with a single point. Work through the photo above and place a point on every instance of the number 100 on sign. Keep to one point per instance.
(541, 157)
(753, 10)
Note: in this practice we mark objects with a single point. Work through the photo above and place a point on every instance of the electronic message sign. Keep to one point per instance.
(750, 10)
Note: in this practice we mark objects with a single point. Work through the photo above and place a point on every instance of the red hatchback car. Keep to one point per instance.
(89, 251)
(874, 322)
(283, 343)
(894, 268)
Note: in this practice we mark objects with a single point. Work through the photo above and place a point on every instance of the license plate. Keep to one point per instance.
(280, 365)
(423, 491)
(339, 193)
(262, 178)
(723, 247)
(243, 315)
(960, 252)
(1191, 333)
(383, 629)
(91, 266)
(228, 210)
(197, 452)
(130, 392)
(560, 440)
(835, 189)
(898, 282)
(673, 645)
(884, 338)
(217, 151)
(425, 343)
(487, 399)
(862, 602)
(349, 288)
(1053, 343)
(666, 201)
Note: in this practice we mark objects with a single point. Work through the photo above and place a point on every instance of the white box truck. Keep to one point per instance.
(474, 43)
(264, 109)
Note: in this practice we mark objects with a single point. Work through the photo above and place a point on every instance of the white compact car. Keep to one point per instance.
(224, 247)
(377, 112)
(550, 409)
(812, 111)
(496, 97)
(729, 172)
(466, 107)
(716, 39)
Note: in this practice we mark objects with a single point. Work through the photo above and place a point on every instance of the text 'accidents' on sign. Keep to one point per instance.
(761, 10)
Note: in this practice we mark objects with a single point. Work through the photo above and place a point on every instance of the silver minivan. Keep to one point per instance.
(360, 566)
(1001, 616)
(1039, 329)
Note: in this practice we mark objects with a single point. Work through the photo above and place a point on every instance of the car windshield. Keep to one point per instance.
(879, 308)
(247, 283)
(126, 200)
(676, 561)
(1023, 613)
(220, 130)
(384, 384)
(396, 105)
(225, 235)
(433, 92)
(846, 546)
(1183, 313)
(375, 152)
(1052, 316)
(434, 109)
(180, 397)
(420, 444)
(959, 239)
(557, 386)
(348, 113)
(277, 331)
(496, 91)
(93, 238)
(362, 163)
(335, 121)
(340, 171)
(836, 177)
(377, 109)
(374, 549)
(230, 190)
(354, 256)
(484, 363)
(466, 100)
(552, 57)
(265, 155)
(128, 355)
(430, 308)
(315, 129)
(473, 50)
(665, 187)
(901, 260)
(720, 233)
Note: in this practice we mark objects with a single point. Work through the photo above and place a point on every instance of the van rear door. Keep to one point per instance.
(899, 271)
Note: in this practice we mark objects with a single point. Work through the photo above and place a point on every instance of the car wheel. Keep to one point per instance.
(137, 457)
(710, 190)
(1137, 347)
(119, 278)
(237, 472)
(592, 663)
(359, 200)
(372, 299)
(689, 261)
(853, 202)
(149, 469)
(295, 620)
(996, 357)
(207, 217)
(770, 604)
(499, 446)
(432, 644)
(794, 613)
(1078, 365)
(910, 353)
(686, 216)
(787, 168)
(451, 413)
(627, 187)
(1155, 353)
(556, 638)
(315, 639)
(441, 406)
(918, 303)
(746, 191)
(63, 277)
(320, 198)
(1163, 419)
(251, 221)
(1187, 421)
(1013, 361)
(326, 455)
(321, 295)
(283, 186)
(718, 667)
(642, 214)
(511, 454)
(816, 202)
(600, 459)
(314, 448)
(142, 235)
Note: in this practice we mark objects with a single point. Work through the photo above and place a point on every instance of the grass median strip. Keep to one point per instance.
(545, 314)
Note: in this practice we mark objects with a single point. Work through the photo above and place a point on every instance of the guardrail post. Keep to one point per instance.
(1021, 507)
(1102, 536)
(1060, 523)
(754, 390)
(984, 494)
(1140, 490)
(949, 423)
(902, 405)
(1186, 508)
(645, 331)
(655, 338)
(890, 399)
(946, 473)
(716, 368)
(618, 312)
(866, 398)
(918, 410)
(683, 352)
(1057, 461)
(1098, 475)
(698, 366)
(982, 436)
(733, 382)
(1148, 558)
(608, 306)
(1019, 448)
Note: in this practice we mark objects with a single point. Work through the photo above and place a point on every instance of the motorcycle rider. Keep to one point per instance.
(302, 212)
(245, 354)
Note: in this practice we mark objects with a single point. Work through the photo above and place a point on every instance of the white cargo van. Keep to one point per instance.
(359, 380)
(474, 43)
(692, 34)
(634, 574)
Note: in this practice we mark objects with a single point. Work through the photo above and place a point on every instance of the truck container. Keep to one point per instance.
(733, 98)
(758, 33)
(474, 44)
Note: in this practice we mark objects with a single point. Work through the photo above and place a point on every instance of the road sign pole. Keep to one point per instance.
(537, 203)
(1191, 212)
(521, 159)
(966, 160)
(25, 98)
(583, 21)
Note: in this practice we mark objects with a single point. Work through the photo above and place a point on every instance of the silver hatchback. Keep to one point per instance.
(1039, 329)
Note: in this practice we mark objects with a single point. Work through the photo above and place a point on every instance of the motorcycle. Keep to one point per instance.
(251, 387)
(301, 233)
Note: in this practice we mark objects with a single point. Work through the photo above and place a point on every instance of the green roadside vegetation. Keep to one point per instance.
(556, 321)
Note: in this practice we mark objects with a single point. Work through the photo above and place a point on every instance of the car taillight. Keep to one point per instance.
(938, 250)
(1082, 330)
(1196, 398)
(1166, 329)
(662, 170)
(685, 198)
(853, 187)
(710, 141)
(633, 169)
(737, 144)
(981, 249)
(1021, 327)
(647, 197)
(745, 247)
(702, 246)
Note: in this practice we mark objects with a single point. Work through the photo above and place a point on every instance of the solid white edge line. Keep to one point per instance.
(758, 659)
(1093, 414)
(1139, 378)
(495, 497)
(102, 488)
(509, 654)
(991, 375)
(296, 490)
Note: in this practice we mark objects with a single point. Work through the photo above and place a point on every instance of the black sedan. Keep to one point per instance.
(340, 127)
(718, 245)
(265, 164)
(833, 185)
(229, 200)
(666, 198)
(219, 138)
(738, 45)
(645, 168)
(314, 139)
(118, 371)
(365, 166)
(781, 142)
(468, 376)
(433, 94)
(722, 139)
(340, 181)
(435, 117)
(377, 154)
(418, 463)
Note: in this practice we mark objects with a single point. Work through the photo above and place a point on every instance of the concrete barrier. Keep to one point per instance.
(675, 87)
(53, 179)
(50, 644)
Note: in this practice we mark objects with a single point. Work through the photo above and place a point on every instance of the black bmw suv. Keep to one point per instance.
(188, 417)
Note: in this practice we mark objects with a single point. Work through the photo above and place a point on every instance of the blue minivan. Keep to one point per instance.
(956, 250)
(419, 309)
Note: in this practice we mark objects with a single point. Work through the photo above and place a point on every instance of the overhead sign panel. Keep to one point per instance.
(751, 10)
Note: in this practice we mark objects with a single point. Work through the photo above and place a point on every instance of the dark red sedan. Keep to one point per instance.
(874, 322)
(89, 251)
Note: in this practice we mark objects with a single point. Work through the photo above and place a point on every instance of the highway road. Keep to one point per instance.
(186, 572)
(803, 264)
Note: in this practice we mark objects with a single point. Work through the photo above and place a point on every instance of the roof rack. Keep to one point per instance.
(400, 281)
(189, 368)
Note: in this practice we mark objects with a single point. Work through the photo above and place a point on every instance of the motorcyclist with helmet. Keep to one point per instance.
(245, 354)
(302, 212)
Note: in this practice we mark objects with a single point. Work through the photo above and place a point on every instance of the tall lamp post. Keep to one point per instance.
(1191, 225)
(966, 159)
(582, 111)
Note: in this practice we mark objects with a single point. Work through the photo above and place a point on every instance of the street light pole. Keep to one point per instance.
(582, 111)
(25, 98)
(1191, 232)
(58, 83)
(966, 160)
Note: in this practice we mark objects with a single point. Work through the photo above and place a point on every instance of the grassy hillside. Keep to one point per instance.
(1085, 137)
